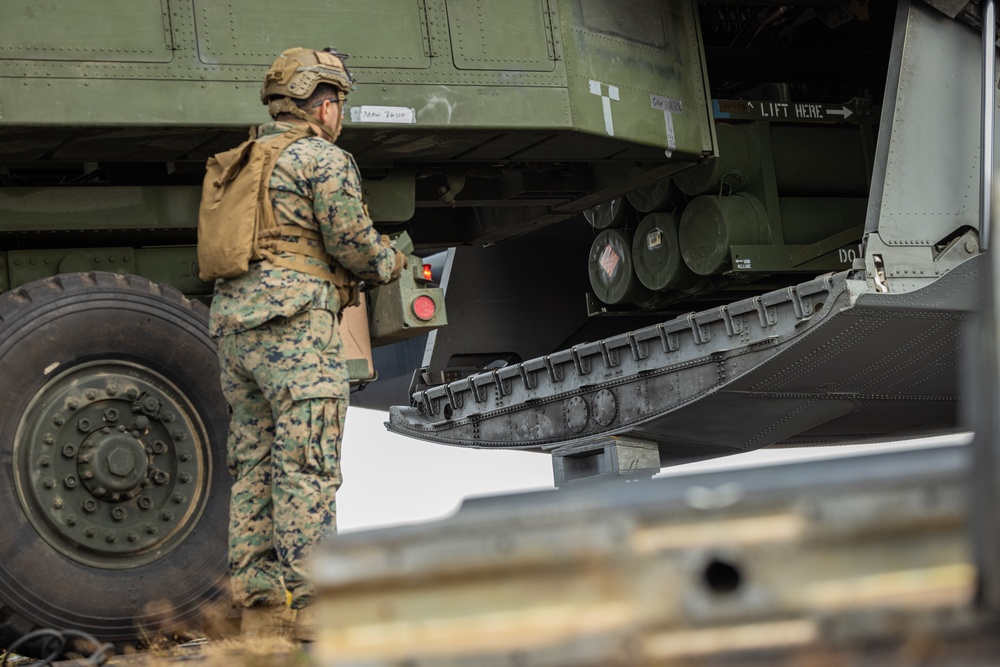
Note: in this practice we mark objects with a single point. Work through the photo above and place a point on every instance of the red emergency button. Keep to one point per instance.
(424, 308)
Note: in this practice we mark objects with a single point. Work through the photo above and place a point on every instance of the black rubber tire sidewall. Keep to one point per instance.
(73, 319)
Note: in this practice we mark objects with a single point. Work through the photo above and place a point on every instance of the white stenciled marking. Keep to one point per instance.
(597, 88)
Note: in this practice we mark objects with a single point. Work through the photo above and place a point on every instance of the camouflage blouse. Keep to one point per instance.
(315, 185)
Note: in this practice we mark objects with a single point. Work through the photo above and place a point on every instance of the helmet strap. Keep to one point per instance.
(285, 105)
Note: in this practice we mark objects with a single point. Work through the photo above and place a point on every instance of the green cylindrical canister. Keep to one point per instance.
(611, 274)
(615, 212)
(736, 166)
(711, 224)
(655, 197)
(656, 254)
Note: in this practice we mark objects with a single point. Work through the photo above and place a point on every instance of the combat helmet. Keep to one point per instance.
(295, 74)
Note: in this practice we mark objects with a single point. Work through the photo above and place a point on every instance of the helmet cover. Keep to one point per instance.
(297, 72)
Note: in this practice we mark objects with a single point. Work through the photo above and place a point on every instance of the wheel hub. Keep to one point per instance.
(111, 464)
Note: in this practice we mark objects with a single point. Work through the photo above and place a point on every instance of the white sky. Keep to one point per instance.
(391, 480)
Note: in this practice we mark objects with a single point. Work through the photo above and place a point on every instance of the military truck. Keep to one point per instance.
(642, 194)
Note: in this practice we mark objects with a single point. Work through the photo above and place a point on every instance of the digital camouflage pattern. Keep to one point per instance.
(283, 375)
(315, 185)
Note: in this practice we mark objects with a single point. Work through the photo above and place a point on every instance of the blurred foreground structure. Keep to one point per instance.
(862, 560)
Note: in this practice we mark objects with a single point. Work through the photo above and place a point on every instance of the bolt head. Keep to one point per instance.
(49, 439)
(184, 477)
(133, 536)
(150, 529)
(58, 420)
(45, 461)
(71, 520)
(185, 456)
(57, 503)
(90, 532)
(90, 394)
(72, 404)
(179, 436)
(167, 515)
(121, 462)
(178, 498)
(49, 483)
(111, 538)
(111, 390)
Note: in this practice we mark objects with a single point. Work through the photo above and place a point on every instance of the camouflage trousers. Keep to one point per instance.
(287, 389)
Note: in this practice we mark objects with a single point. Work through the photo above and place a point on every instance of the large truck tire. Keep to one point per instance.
(113, 482)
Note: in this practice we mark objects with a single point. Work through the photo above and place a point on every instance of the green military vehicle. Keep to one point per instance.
(641, 194)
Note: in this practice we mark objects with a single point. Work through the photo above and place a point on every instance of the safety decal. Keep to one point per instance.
(609, 261)
(669, 106)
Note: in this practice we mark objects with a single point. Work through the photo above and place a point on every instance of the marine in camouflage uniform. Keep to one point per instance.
(283, 372)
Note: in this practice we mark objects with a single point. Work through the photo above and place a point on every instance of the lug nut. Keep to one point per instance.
(159, 447)
(118, 513)
(145, 503)
(69, 451)
(89, 505)
(83, 425)
(111, 415)
(160, 477)
(69, 482)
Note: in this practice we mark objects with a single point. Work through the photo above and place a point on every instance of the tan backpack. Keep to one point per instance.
(235, 207)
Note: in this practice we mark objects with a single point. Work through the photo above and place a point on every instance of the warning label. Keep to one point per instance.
(609, 261)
